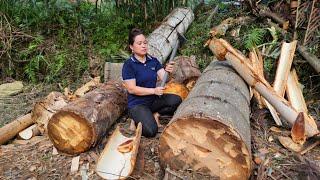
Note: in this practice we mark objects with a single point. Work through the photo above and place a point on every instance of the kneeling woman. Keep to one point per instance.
(140, 73)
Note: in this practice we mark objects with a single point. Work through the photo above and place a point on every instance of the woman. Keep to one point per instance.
(140, 73)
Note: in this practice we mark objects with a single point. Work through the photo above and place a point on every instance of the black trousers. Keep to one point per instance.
(164, 105)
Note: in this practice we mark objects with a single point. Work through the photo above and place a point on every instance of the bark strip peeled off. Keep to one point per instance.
(83, 122)
(10, 130)
(278, 102)
(210, 131)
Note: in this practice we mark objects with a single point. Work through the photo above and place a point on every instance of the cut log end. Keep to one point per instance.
(70, 133)
(212, 148)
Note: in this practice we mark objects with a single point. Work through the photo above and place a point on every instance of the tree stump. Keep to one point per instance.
(210, 131)
(83, 122)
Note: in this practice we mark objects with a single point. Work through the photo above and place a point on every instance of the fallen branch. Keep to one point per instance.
(278, 102)
(10, 130)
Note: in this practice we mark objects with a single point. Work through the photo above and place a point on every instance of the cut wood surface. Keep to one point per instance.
(44, 109)
(10, 130)
(83, 122)
(115, 164)
(226, 24)
(210, 131)
(278, 102)
(185, 69)
(29, 132)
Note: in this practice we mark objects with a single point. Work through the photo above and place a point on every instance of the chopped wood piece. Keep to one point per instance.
(83, 122)
(10, 130)
(176, 88)
(113, 164)
(94, 83)
(289, 144)
(75, 164)
(298, 130)
(210, 131)
(54, 151)
(29, 132)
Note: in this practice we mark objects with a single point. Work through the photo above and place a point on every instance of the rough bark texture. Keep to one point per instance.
(210, 131)
(185, 69)
(8, 131)
(83, 122)
(163, 39)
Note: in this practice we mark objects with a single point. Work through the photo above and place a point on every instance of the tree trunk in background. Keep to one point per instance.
(161, 41)
(83, 122)
(210, 131)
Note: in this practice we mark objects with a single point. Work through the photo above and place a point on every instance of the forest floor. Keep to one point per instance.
(34, 159)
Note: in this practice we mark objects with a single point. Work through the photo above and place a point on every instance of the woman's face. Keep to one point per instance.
(140, 45)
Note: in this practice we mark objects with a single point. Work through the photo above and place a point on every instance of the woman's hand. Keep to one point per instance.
(169, 67)
(158, 91)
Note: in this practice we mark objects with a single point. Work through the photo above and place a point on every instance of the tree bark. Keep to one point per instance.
(10, 130)
(83, 122)
(210, 131)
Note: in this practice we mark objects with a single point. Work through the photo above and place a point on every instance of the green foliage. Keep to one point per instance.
(254, 38)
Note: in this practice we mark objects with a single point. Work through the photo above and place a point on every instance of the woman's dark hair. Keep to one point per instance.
(132, 34)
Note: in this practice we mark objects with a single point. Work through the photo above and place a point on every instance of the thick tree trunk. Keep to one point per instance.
(10, 130)
(83, 122)
(210, 131)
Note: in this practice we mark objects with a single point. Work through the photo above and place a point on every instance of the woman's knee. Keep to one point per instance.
(150, 130)
(174, 100)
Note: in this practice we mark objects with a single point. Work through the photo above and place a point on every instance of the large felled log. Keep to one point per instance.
(44, 109)
(162, 40)
(210, 131)
(83, 122)
(278, 102)
(10, 130)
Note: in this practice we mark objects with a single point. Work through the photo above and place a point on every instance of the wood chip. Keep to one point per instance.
(54, 151)
(75, 164)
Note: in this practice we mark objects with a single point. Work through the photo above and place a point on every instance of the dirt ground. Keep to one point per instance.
(34, 159)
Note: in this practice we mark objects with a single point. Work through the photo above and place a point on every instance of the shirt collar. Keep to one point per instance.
(134, 59)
